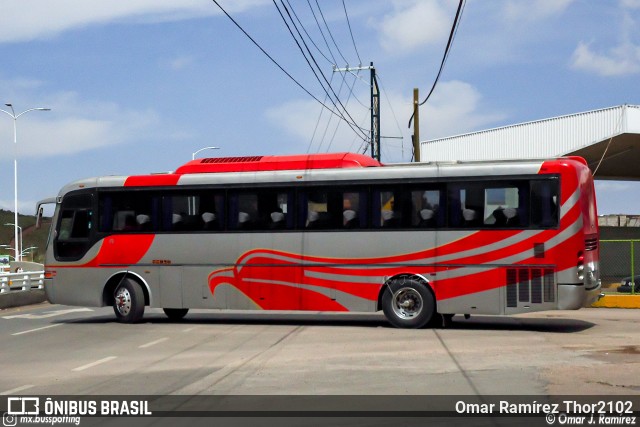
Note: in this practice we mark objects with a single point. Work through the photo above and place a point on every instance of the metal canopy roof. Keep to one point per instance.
(609, 139)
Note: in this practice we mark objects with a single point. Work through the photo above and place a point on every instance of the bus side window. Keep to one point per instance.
(354, 210)
(243, 211)
(278, 208)
(391, 208)
(315, 209)
(464, 206)
(74, 228)
(544, 203)
(212, 211)
(128, 212)
(425, 209)
(506, 206)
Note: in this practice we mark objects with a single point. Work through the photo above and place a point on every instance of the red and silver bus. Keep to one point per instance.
(330, 232)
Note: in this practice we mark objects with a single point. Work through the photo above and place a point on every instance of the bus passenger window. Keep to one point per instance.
(471, 200)
(212, 211)
(505, 207)
(544, 203)
(128, 212)
(390, 212)
(425, 208)
(276, 210)
(351, 210)
(317, 205)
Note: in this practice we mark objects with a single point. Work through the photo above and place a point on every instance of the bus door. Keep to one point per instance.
(170, 279)
(191, 219)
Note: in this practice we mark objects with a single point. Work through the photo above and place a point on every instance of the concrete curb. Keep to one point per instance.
(19, 298)
(618, 301)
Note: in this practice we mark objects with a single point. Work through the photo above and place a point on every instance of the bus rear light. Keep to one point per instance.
(49, 274)
(580, 266)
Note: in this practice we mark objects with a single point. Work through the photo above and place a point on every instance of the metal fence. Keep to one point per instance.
(25, 281)
(619, 259)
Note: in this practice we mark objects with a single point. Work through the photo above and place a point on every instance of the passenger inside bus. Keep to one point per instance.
(500, 217)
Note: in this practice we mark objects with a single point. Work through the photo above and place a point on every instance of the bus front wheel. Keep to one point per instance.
(408, 303)
(128, 301)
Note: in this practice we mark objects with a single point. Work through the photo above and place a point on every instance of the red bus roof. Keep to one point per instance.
(273, 163)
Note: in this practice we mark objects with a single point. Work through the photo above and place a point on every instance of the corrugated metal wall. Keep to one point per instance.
(546, 138)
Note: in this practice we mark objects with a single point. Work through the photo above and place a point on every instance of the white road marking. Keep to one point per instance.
(16, 390)
(37, 329)
(96, 363)
(149, 344)
(47, 314)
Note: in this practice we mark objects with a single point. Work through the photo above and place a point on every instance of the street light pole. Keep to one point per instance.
(13, 115)
(193, 155)
(18, 257)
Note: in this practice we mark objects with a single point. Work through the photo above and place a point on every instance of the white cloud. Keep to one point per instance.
(415, 23)
(621, 60)
(74, 125)
(180, 63)
(26, 20)
(302, 120)
(454, 108)
(630, 4)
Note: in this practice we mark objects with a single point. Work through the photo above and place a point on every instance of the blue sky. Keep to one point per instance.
(136, 86)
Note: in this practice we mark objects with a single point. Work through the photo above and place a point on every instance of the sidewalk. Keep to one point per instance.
(618, 301)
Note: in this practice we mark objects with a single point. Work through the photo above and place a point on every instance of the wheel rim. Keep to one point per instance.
(123, 301)
(407, 303)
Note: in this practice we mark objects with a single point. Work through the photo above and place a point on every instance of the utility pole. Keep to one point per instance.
(375, 107)
(416, 126)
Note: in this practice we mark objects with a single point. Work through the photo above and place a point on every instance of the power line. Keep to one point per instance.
(454, 29)
(322, 32)
(272, 59)
(309, 36)
(351, 32)
(351, 121)
(330, 34)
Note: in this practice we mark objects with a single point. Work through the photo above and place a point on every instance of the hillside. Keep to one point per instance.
(31, 237)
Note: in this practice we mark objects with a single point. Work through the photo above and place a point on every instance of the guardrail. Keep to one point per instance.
(25, 281)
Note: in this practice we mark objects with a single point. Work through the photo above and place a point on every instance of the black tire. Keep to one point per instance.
(408, 303)
(175, 313)
(128, 301)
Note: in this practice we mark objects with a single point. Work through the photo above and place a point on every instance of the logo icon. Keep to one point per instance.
(23, 406)
(9, 420)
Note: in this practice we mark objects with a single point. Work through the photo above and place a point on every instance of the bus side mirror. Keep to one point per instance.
(39, 215)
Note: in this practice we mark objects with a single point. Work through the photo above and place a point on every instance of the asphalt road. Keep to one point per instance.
(59, 350)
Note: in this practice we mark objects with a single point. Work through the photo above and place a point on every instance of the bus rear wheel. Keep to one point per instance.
(175, 313)
(408, 303)
(128, 301)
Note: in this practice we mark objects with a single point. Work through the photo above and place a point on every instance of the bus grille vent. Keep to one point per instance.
(530, 285)
(242, 159)
(591, 244)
